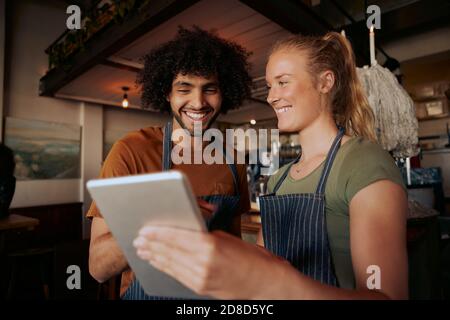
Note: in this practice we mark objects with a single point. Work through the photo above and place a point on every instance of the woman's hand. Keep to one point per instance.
(212, 264)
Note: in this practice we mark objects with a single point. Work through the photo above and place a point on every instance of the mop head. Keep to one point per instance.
(395, 119)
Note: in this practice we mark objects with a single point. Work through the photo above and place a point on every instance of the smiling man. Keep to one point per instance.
(195, 77)
(195, 98)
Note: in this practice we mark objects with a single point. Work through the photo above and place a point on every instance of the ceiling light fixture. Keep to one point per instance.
(125, 102)
(253, 122)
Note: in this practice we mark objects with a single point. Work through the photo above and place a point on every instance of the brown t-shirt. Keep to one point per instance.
(141, 152)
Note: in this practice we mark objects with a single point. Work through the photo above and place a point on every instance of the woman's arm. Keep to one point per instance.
(378, 218)
(222, 266)
(378, 215)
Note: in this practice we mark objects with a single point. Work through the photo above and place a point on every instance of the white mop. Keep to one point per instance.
(395, 119)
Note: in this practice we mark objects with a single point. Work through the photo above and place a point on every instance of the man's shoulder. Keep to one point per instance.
(149, 136)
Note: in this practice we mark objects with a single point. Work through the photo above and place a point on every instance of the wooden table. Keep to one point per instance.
(15, 222)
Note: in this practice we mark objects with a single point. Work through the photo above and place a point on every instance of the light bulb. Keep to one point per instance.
(125, 101)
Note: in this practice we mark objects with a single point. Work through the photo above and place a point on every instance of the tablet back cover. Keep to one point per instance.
(129, 203)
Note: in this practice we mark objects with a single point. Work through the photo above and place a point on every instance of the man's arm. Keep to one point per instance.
(244, 202)
(106, 259)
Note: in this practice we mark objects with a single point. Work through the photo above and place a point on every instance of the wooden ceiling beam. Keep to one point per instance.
(297, 17)
(294, 16)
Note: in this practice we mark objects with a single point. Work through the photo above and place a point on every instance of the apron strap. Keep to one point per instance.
(167, 150)
(329, 161)
(167, 147)
(328, 164)
(233, 169)
(280, 181)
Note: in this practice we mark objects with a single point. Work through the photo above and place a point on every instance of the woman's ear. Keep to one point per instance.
(326, 81)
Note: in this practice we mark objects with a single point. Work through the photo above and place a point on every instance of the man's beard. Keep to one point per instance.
(191, 132)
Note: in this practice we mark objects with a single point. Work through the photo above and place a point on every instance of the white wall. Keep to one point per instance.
(34, 26)
(46, 192)
(117, 119)
(91, 116)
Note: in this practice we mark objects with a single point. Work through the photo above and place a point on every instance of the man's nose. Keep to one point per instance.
(198, 100)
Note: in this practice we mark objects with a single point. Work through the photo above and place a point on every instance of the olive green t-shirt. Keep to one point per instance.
(358, 163)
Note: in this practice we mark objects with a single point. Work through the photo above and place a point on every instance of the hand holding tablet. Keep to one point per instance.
(129, 203)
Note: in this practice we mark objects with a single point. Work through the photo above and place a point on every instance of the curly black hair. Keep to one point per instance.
(200, 53)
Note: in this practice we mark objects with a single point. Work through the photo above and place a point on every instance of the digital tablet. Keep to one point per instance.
(128, 203)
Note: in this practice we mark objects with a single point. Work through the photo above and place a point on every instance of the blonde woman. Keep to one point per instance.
(336, 216)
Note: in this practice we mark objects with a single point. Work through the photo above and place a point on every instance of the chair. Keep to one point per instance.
(37, 263)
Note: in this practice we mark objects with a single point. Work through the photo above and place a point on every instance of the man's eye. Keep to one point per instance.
(183, 91)
(281, 83)
(211, 90)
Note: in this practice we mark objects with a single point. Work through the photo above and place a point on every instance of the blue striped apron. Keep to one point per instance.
(222, 218)
(294, 225)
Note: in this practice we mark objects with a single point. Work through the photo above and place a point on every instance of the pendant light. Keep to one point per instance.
(125, 102)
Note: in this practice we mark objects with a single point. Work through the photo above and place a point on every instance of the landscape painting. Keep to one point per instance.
(44, 150)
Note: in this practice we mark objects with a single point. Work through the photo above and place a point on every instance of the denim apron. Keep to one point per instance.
(294, 225)
(221, 219)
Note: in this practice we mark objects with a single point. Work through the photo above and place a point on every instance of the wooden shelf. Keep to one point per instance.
(443, 116)
(438, 136)
(437, 150)
(428, 99)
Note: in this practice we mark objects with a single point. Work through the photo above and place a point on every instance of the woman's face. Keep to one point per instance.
(292, 93)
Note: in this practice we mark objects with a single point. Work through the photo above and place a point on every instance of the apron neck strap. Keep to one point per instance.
(328, 164)
(329, 161)
(167, 146)
(285, 173)
(167, 150)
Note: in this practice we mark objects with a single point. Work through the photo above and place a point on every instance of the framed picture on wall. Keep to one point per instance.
(44, 150)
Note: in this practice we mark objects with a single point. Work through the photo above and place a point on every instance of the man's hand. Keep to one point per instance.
(207, 208)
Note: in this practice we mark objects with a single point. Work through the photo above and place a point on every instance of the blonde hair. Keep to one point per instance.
(348, 101)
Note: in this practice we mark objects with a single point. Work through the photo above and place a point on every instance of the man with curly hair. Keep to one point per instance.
(195, 77)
